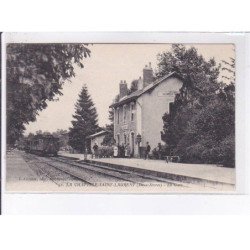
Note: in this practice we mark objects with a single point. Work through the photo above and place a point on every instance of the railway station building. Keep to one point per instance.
(97, 138)
(138, 116)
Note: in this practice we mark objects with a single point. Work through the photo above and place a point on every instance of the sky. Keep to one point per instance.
(102, 73)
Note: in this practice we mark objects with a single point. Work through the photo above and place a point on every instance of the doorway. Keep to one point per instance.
(132, 144)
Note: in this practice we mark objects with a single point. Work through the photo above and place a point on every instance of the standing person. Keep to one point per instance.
(95, 148)
(127, 151)
(86, 154)
(159, 150)
(115, 150)
(148, 148)
(122, 151)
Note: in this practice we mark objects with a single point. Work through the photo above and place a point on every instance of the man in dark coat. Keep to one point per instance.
(122, 150)
(147, 151)
(159, 151)
(95, 148)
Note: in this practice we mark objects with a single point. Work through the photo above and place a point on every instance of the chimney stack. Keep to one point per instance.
(123, 89)
(147, 75)
(140, 83)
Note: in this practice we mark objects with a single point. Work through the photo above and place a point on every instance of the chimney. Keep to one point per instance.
(140, 83)
(147, 75)
(123, 89)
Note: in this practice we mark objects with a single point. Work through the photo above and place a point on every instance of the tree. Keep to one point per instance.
(35, 75)
(62, 135)
(200, 81)
(210, 133)
(30, 135)
(84, 123)
(133, 87)
(60, 132)
(197, 72)
(109, 137)
(201, 120)
(229, 70)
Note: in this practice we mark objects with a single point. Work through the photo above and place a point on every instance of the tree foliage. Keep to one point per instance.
(228, 69)
(200, 126)
(197, 72)
(109, 137)
(85, 122)
(210, 133)
(35, 75)
(133, 87)
(61, 134)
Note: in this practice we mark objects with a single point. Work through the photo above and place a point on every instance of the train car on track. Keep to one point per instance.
(45, 145)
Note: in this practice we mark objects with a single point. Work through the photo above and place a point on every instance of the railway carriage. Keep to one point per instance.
(43, 145)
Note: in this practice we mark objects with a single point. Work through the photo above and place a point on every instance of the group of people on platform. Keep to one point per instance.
(123, 151)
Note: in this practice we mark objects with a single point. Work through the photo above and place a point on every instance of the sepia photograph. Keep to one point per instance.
(124, 124)
(120, 117)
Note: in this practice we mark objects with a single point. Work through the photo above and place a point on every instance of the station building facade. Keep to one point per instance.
(138, 116)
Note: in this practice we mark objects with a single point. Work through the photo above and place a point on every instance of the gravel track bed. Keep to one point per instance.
(90, 175)
(46, 173)
(120, 174)
(54, 169)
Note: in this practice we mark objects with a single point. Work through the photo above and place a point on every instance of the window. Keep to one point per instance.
(118, 139)
(132, 111)
(171, 109)
(118, 116)
(124, 113)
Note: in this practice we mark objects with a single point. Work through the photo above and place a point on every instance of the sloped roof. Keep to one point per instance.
(148, 88)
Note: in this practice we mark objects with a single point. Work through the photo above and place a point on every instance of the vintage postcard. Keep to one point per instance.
(94, 117)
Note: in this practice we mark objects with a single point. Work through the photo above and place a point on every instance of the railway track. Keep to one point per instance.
(63, 171)
(94, 174)
(130, 176)
(123, 175)
(54, 171)
(40, 168)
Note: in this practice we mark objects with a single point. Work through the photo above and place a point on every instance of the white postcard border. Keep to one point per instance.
(139, 203)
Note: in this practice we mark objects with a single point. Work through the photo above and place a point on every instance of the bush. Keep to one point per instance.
(165, 150)
(227, 151)
(207, 151)
(105, 152)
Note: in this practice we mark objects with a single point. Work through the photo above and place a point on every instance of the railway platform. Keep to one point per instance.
(17, 169)
(194, 172)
